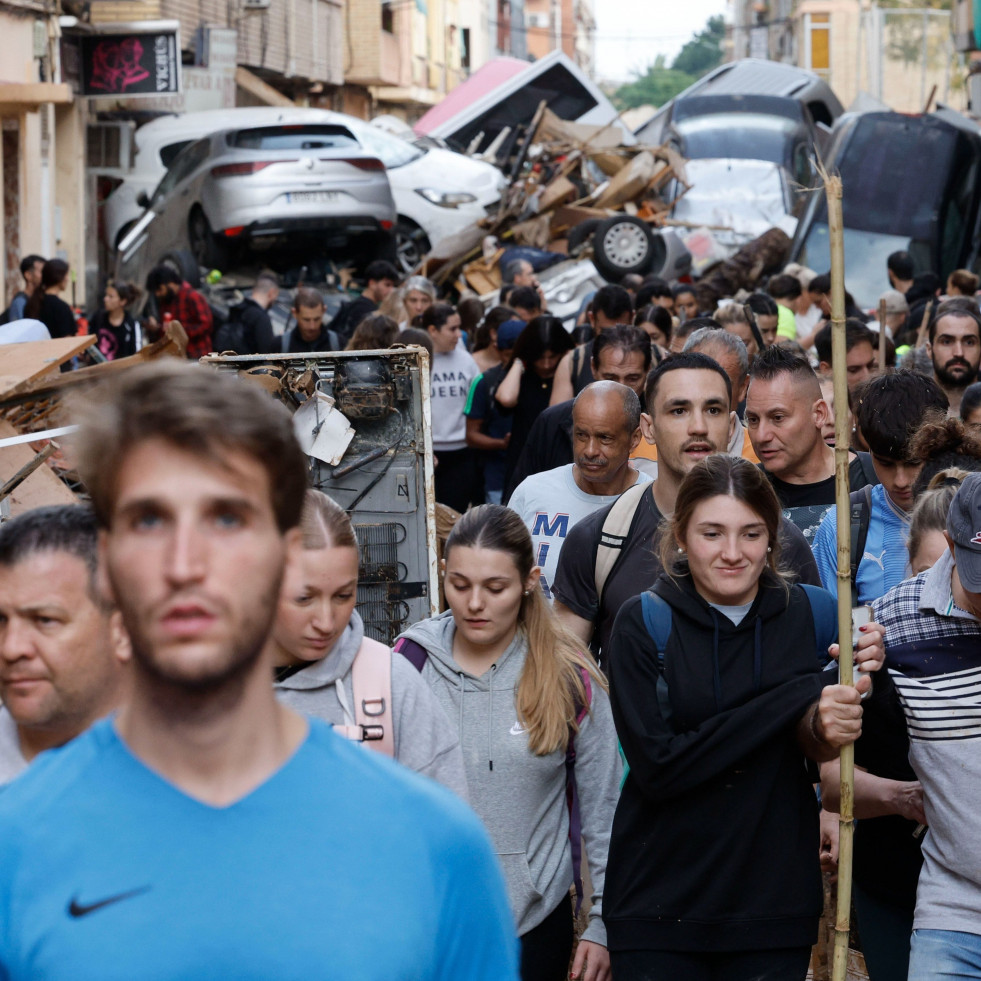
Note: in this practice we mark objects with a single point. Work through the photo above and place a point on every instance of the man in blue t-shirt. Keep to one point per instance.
(890, 410)
(206, 830)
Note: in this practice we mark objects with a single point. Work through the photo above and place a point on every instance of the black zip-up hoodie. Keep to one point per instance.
(715, 838)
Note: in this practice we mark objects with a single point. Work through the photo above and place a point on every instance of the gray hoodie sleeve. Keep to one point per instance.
(598, 770)
(425, 739)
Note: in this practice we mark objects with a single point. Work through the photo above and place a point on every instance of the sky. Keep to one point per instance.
(626, 42)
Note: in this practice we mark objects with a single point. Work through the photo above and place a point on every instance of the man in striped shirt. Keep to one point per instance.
(933, 656)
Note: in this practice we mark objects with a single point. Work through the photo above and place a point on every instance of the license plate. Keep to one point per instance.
(313, 197)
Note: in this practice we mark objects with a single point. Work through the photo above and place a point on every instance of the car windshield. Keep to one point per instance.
(308, 137)
(390, 150)
(865, 259)
(748, 136)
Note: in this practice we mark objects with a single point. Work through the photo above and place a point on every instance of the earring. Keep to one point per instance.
(527, 592)
(769, 549)
(681, 551)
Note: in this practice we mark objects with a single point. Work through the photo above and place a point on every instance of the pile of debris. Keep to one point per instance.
(576, 189)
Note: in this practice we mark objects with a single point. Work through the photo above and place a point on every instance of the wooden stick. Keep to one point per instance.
(832, 189)
(882, 336)
(921, 334)
(25, 471)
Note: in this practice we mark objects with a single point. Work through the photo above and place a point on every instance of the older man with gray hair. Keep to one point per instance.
(605, 433)
(729, 352)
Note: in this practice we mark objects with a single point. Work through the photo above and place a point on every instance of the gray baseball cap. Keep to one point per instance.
(964, 527)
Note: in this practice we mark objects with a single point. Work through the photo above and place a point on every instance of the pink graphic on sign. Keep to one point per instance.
(116, 65)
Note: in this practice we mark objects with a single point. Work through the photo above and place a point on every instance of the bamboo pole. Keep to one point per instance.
(882, 336)
(832, 189)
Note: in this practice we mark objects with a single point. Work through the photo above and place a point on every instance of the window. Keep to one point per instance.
(388, 17)
(293, 137)
(817, 43)
(465, 48)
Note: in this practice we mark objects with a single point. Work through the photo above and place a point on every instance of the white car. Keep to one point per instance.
(437, 192)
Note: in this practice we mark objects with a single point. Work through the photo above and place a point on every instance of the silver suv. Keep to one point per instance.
(308, 186)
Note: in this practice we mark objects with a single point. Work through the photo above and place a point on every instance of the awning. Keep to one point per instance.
(29, 96)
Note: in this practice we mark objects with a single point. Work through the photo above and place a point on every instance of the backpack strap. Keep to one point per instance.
(572, 791)
(371, 678)
(613, 535)
(824, 610)
(860, 512)
(414, 653)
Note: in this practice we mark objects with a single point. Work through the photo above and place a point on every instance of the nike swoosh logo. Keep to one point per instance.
(77, 909)
(517, 729)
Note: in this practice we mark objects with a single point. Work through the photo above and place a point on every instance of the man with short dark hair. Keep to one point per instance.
(899, 267)
(176, 299)
(785, 414)
(861, 360)
(688, 418)
(621, 354)
(171, 840)
(30, 269)
(308, 332)
(63, 652)
(730, 352)
(605, 431)
(526, 302)
(611, 305)
(249, 328)
(890, 410)
(955, 347)
(381, 278)
(786, 291)
(657, 291)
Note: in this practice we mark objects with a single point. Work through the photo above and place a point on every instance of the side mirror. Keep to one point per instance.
(143, 199)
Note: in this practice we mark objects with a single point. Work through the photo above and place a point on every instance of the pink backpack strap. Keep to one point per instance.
(371, 678)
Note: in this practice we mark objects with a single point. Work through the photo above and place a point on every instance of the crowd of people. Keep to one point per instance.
(633, 686)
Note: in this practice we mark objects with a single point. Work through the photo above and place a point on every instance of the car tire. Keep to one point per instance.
(206, 248)
(186, 265)
(411, 244)
(623, 245)
(580, 234)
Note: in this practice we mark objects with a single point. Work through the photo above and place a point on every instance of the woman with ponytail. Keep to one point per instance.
(525, 698)
(327, 668)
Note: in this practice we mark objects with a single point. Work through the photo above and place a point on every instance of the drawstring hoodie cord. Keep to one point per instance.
(490, 722)
(349, 719)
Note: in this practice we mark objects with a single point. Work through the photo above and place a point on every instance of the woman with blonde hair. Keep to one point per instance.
(534, 718)
(327, 668)
(719, 697)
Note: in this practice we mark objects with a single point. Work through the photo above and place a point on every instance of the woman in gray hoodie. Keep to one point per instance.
(318, 635)
(520, 691)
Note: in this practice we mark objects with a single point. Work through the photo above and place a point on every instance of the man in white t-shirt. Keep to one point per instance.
(453, 371)
(605, 432)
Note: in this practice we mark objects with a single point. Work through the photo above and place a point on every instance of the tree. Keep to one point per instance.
(660, 83)
(657, 85)
(704, 51)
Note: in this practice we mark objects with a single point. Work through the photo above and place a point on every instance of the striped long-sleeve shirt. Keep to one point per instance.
(933, 655)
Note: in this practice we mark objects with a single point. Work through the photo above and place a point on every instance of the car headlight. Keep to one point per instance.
(446, 199)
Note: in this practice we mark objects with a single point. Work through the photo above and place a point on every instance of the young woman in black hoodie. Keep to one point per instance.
(713, 871)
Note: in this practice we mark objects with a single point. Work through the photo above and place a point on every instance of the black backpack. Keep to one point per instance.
(232, 334)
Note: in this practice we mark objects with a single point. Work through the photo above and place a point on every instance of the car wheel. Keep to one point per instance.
(580, 233)
(185, 264)
(411, 244)
(622, 245)
(205, 245)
